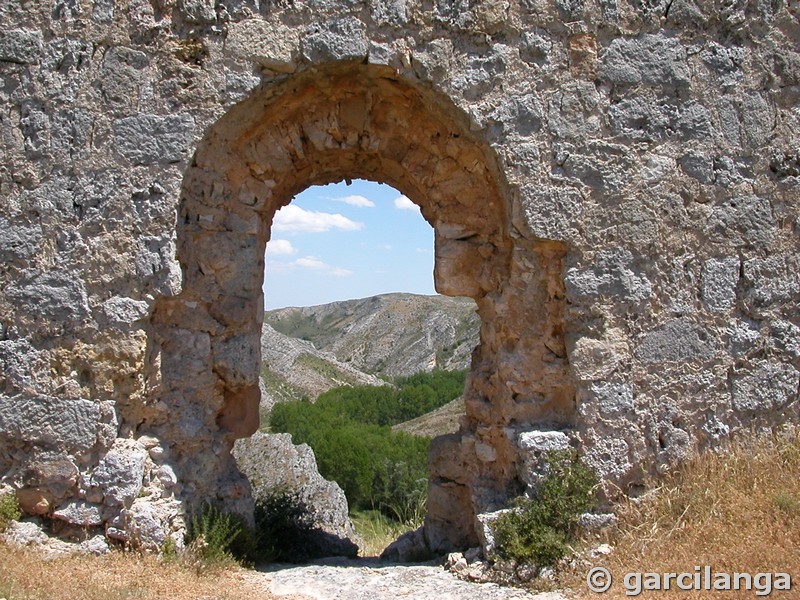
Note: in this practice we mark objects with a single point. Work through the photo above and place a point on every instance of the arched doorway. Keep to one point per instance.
(324, 125)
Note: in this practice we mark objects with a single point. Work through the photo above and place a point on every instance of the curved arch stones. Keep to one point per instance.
(359, 121)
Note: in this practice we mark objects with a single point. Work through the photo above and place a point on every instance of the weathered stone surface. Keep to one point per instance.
(745, 221)
(613, 399)
(18, 240)
(52, 422)
(273, 463)
(677, 341)
(125, 310)
(20, 46)
(266, 43)
(649, 58)
(79, 512)
(238, 359)
(769, 386)
(720, 277)
(118, 476)
(646, 118)
(53, 294)
(613, 275)
(154, 139)
(342, 39)
(550, 213)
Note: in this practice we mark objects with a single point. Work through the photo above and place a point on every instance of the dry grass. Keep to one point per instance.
(377, 531)
(121, 575)
(736, 512)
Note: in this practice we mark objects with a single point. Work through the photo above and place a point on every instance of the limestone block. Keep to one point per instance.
(768, 387)
(154, 139)
(612, 399)
(533, 449)
(449, 523)
(125, 310)
(199, 12)
(643, 117)
(743, 337)
(50, 471)
(743, 221)
(79, 512)
(271, 463)
(649, 58)
(592, 358)
(236, 260)
(186, 357)
(35, 126)
(720, 277)
(409, 547)
(771, 281)
(103, 11)
(484, 524)
(478, 77)
(118, 475)
(20, 46)
(517, 116)
(677, 341)
(612, 274)
(699, 166)
(609, 457)
(148, 524)
(70, 133)
(535, 46)
(122, 76)
(19, 241)
(270, 44)
(549, 213)
(20, 364)
(51, 422)
(786, 337)
(389, 12)
(342, 39)
(725, 61)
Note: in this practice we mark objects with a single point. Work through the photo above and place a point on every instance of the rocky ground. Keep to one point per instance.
(370, 579)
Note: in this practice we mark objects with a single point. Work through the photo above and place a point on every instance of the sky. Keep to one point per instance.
(339, 241)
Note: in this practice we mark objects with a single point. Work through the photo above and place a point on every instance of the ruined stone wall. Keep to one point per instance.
(616, 182)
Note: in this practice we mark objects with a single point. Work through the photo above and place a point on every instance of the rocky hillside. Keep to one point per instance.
(390, 334)
(293, 369)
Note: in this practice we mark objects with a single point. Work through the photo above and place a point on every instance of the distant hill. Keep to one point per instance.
(292, 369)
(388, 335)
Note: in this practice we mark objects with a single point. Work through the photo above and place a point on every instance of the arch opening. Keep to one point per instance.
(349, 121)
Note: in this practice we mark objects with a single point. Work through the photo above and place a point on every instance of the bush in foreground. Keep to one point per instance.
(539, 530)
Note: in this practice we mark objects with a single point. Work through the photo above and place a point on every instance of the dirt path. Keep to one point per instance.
(368, 579)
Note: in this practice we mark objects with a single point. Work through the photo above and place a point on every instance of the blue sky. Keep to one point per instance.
(338, 242)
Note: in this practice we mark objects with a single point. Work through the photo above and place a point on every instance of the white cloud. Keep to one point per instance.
(311, 262)
(278, 247)
(293, 219)
(405, 203)
(356, 200)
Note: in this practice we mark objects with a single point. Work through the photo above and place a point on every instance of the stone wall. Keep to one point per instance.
(615, 182)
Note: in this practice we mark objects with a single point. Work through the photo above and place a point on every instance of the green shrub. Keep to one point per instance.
(216, 536)
(9, 510)
(540, 529)
(284, 524)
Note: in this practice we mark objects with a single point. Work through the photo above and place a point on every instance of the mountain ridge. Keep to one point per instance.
(307, 350)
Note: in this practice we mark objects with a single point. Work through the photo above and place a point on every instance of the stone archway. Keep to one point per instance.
(324, 125)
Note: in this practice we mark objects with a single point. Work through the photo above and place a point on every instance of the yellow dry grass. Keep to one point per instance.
(737, 511)
(24, 575)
